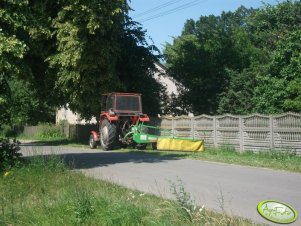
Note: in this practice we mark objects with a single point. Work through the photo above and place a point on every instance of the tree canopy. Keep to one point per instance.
(54, 53)
(240, 62)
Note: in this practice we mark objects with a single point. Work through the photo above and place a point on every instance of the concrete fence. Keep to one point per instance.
(254, 132)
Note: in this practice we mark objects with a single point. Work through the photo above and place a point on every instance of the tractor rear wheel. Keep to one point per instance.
(108, 135)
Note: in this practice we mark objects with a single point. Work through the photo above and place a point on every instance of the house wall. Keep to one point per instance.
(162, 77)
(72, 118)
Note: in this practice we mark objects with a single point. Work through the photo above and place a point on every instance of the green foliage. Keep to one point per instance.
(237, 99)
(135, 67)
(9, 154)
(12, 51)
(240, 62)
(4, 101)
(83, 206)
(86, 34)
(21, 63)
(274, 159)
(200, 57)
(276, 91)
(43, 192)
(100, 49)
(50, 131)
(186, 203)
(54, 53)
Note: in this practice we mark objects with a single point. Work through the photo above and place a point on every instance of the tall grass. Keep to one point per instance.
(275, 159)
(43, 192)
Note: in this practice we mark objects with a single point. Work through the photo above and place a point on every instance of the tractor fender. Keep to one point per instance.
(113, 118)
(141, 118)
(144, 118)
(95, 135)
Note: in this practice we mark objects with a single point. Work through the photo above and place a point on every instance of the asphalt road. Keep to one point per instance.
(235, 189)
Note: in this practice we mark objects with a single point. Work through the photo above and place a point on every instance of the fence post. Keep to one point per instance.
(66, 130)
(214, 132)
(192, 126)
(241, 135)
(272, 132)
(173, 127)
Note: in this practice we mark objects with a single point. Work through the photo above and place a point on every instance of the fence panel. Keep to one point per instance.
(256, 132)
(227, 131)
(204, 128)
(166, 126)
(183, 126)
(287, 132)
(31, 130)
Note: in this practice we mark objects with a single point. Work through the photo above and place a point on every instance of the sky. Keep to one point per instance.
(164, 19)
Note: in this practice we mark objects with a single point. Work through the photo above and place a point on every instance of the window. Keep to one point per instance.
(128, 103)
(110, 102)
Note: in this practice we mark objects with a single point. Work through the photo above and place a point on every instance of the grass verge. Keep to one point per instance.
(269, 159)
(43, 192)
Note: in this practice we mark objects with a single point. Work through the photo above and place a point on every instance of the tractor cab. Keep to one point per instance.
(121, 104)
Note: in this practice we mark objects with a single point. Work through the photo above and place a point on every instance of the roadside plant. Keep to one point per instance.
(83, 207)
(9, 153)
(186, 203)
(50, 131)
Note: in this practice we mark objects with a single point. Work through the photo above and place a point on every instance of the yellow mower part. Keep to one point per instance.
(176, 144)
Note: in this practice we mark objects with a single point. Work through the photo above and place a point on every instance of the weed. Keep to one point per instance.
(83, 207)
(185, 202)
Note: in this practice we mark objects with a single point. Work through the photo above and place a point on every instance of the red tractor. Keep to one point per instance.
(121, 116)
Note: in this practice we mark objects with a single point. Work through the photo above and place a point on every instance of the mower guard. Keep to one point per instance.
(165, 142)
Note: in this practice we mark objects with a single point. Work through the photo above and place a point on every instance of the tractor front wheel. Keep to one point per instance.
(92, 142)
(108, 135)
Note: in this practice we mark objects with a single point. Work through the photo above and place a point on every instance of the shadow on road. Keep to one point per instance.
(102, 159)
(58, 142)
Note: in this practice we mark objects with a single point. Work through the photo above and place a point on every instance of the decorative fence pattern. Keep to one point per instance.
(254, 132)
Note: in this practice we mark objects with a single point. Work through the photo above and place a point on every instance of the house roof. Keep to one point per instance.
(161, 66)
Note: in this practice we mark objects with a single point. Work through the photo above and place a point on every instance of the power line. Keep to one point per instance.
(166, 4)
(176, 9)
(181, 7)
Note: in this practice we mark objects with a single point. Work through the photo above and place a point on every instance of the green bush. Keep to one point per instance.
(9, 153)
(7, 131)
(50, 131)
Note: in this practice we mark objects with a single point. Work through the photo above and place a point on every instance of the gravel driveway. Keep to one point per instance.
(236, 189)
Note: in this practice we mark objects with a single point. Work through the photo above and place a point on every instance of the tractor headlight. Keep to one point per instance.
(111, 112)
